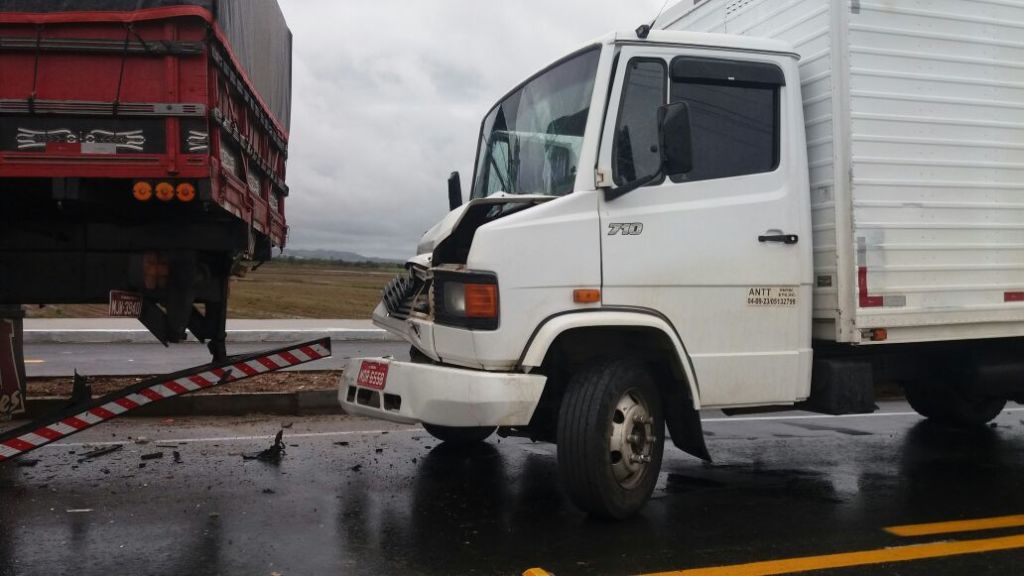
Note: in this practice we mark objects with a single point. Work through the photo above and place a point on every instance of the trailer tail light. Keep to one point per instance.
(142, 191)
(1013, 296)
(164, 192)
(481, 301)
(879, 335)
(186, 192)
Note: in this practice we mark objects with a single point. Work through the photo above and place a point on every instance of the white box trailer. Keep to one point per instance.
(915, 136)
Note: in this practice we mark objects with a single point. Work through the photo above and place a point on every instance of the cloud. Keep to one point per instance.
(388, 96)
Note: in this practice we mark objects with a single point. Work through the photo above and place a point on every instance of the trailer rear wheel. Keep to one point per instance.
(610, 438)
(944, 402)
(460, 435)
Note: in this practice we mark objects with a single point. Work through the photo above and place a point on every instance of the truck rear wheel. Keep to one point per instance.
(944, 402)
(610, 438)
(460, 435)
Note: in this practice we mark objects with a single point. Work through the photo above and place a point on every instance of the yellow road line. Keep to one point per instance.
(957, 526)
(862, 558)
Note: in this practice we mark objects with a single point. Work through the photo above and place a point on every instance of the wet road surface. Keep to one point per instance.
(133, 359)
(354, 496)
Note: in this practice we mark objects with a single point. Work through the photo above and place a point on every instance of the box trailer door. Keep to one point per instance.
(717, 250)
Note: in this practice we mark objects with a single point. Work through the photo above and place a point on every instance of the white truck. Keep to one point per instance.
(675, 219)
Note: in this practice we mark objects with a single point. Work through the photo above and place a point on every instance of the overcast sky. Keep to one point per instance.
(388, 96)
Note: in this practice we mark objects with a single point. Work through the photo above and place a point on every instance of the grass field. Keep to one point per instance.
(281, 289)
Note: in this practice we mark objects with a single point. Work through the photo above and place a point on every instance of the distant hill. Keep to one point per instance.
(335, 255)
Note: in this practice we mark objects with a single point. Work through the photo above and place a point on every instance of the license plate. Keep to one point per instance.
(373, 375)
(125, 304)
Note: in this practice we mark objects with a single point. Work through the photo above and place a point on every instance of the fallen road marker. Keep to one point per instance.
(87, 414)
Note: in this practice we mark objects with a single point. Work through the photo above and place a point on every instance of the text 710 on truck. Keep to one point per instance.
(676, 219)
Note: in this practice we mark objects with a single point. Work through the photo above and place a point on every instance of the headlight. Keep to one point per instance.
(468, 300)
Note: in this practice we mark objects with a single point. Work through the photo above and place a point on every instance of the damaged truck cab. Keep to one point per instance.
(655, 228)
(579, 297)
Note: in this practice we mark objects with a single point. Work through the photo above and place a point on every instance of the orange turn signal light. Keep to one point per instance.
(142, 191)
(164, 192)
(586, 296)
(186, 192)
(879, 335)
(481, 301)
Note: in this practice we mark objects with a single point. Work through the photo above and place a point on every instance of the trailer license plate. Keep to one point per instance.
(373, 375)
(125, 304)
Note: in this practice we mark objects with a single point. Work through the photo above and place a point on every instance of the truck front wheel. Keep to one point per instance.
(943, 401)
(462, 436)
(610, 438)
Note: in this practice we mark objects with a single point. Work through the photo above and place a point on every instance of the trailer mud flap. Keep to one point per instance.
(12, 366)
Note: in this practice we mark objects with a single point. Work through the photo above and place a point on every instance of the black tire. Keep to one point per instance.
(460, 436)
(594, 412)
(946, 403)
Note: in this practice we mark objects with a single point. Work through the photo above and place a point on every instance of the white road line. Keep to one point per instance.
(241, 438)
(824, 416)
(410, 430)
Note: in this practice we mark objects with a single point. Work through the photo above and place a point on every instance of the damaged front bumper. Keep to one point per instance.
(409, 392)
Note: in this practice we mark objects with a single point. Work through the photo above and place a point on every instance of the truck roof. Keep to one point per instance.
(705, 39)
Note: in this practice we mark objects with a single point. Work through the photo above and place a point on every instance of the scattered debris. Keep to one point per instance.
(79, 510)
(142, 464)
(346, 443)
(142, 440)
(153, 456)
(177, 457)
(287, 424)
(166, 445)
(214, 514)
(25, 462)
(379, 450)
(268, 491)
(99, 452)
(272, 454)
(414, 460)
(356, 468)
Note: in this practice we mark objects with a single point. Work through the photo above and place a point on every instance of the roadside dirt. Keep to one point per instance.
(276, 382)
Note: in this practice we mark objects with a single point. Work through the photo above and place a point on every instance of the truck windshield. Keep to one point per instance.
(530, 142)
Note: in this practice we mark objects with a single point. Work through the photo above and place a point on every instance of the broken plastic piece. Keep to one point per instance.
(99, 452)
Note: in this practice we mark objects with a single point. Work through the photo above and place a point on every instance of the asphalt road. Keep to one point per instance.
(348, 498)
(145, 359)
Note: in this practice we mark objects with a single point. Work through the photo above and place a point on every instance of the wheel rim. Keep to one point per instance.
(632, 439)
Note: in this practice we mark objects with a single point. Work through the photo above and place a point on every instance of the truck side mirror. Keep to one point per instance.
(676, 139)
(454, 191)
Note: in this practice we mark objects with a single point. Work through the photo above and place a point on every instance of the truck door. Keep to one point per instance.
(722, 251)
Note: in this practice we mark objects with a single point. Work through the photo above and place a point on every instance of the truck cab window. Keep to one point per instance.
(530, 142)
(735, 128)
(635, 149)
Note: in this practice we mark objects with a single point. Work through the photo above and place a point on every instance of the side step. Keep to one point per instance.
(86, 415)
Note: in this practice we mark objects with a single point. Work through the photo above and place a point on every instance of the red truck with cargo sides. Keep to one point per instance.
(143, 146)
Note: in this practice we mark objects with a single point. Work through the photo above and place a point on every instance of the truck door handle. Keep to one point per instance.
(783, 238)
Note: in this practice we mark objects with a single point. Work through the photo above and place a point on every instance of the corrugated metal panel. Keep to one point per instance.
(806, 24)
(937, 106)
